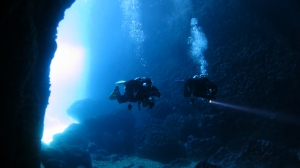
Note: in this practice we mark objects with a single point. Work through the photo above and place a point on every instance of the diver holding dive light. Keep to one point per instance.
(199, 86)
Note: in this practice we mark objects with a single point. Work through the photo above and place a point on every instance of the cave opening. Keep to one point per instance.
(68, 70)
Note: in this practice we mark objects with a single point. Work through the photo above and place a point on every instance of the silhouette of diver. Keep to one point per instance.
(140, 90)
(200, 86)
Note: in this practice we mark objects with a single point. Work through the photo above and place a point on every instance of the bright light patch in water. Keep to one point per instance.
(54, 126)
(198, 44)
(67, 86)
(275, 116)
(67, 64)
(68, 69)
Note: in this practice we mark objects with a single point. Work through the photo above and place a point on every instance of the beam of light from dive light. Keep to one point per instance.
(270, 115)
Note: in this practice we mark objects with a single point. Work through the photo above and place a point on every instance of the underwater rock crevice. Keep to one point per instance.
(27, 47)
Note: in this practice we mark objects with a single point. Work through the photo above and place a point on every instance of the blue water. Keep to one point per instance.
(249, 49)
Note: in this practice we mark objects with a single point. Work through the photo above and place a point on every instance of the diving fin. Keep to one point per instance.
(120, 82)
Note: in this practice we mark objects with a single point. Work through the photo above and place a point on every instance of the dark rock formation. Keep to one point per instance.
(74, 135)
(253, 55)
(65, 156)
(201, 149)
(178, 163)
(262, 153)
(112, 132)
(28, 33)
(84, 109)
(156, 143)
(204, 164)
(161, 110)
(101, 136)
(182, 126)
(111, 122)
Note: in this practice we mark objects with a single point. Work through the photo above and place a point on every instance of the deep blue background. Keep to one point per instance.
(253, 49)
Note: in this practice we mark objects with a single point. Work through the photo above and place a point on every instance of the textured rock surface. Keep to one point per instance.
(253, 56)
(112, 131)
(65, 156)
(28, 33)
(84, 109)
(156, 143)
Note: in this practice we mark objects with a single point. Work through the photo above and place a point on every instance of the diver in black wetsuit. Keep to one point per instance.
(140, 90)
(199, 86)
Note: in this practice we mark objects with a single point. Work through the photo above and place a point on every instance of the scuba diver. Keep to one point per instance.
(200, 86)
(140, 90)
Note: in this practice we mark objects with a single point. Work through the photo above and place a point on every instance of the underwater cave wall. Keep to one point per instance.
(28, 33)
(253, 57)
(252, 54)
